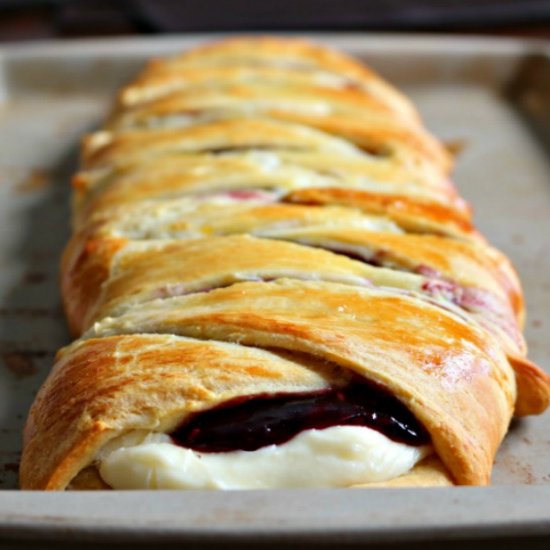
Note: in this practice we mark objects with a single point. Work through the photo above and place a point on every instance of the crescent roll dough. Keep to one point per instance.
(266, 218)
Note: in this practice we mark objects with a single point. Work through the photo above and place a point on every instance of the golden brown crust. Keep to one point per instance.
(105, 148)
(84, 268)
(436, 363)
(417, 216)
(291, 59)
(266, 215)
(101, 388)
(533, 387)
(131, 274)
(468, 263)
(155, 164)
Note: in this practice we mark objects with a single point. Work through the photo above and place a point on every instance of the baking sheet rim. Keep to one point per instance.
(389, 43)
(376, 515)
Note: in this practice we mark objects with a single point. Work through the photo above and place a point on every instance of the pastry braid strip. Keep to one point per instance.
(267, 217)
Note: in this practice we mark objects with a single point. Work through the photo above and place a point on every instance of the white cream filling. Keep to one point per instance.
(338, 456)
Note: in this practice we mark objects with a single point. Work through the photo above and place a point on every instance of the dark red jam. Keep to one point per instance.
(249, 423)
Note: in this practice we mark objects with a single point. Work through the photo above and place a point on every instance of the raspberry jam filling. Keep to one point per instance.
(249, 423)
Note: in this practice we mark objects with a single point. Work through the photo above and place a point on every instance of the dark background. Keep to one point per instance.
(44, 19)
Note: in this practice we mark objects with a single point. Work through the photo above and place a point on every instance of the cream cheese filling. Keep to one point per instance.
(338, 456)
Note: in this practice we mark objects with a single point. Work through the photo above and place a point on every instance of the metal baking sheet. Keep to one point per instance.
(469, 91)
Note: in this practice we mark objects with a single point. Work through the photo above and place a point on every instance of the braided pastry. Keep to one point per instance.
(273, 283)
